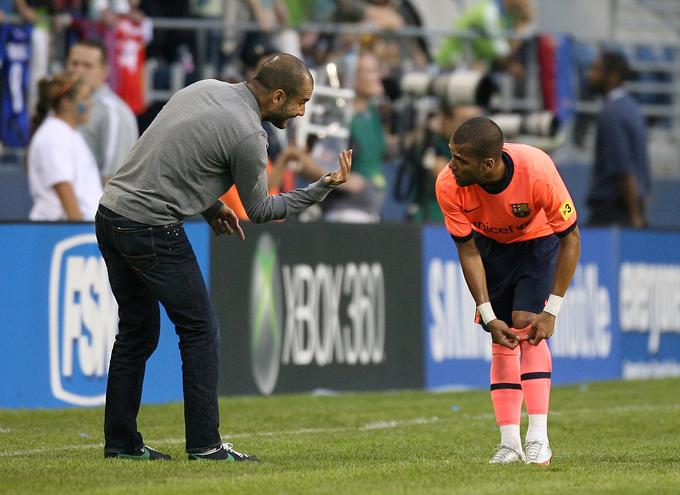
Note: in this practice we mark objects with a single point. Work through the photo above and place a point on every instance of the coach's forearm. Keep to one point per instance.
(473, 270)
(284, 204)
(567, 259)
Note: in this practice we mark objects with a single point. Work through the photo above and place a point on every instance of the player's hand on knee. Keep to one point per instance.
(225, 221)
(501, 334)
(542, 327)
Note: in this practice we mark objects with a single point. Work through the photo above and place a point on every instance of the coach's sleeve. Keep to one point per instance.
(456, 222)
(552, 195)
(249, 171)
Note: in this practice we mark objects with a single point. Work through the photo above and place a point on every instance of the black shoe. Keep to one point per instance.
(223, 453)
(146, 454)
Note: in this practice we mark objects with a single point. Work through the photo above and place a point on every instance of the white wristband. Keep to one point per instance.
(486, 312)
(553, 305)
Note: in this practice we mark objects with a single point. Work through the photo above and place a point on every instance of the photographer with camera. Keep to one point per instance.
(429, 155)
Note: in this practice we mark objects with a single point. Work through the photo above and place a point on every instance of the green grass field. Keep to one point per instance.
(614, 437)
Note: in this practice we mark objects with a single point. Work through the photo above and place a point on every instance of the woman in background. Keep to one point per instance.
(62, 173)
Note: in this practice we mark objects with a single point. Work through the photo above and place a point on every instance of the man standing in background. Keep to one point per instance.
(621, 179)
(112, 129)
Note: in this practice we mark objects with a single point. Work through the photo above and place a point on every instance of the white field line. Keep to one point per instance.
(365, 427)
(174, 441)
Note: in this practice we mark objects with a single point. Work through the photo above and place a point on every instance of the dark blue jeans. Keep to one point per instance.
(147, 265)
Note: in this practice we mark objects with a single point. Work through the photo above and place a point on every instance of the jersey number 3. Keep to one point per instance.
(566, 210)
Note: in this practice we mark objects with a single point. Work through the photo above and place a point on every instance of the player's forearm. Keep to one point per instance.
(567, 259)
(473, 270)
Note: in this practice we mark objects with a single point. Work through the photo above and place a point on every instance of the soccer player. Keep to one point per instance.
(514, 225)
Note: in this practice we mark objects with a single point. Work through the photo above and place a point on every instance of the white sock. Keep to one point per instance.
(538, 427)
(510, 437)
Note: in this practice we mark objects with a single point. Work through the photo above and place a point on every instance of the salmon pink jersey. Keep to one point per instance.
(531, 201)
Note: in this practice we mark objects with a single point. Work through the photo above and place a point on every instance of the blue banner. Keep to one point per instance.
(59, 319)
(649, 304)
(586, 344)
(457, 351)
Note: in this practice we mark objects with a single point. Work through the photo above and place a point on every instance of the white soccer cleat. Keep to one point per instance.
(538, 452)
(507, 455)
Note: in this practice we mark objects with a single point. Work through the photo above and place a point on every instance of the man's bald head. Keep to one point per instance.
(282, 86)
(283, 71)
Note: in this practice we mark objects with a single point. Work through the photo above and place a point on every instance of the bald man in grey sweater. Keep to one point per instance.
(208, 137)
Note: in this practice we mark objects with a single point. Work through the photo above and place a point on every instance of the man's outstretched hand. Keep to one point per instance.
(225, 221)
(341, 174)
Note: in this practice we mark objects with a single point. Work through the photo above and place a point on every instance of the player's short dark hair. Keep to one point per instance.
(96, 44)
(483, 134)
(282, 71)
(616, 63)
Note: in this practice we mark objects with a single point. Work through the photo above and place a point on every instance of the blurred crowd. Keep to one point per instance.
(77, 68)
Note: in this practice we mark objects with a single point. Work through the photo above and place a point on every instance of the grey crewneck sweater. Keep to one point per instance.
(207, 137)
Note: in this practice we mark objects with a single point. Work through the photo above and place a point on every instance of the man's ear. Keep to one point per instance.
(278, 96)
(488, 163)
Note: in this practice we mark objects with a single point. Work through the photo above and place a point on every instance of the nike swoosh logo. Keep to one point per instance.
(471, 209)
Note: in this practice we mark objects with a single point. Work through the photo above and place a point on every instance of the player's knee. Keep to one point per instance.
(522, 319)
(501, 350)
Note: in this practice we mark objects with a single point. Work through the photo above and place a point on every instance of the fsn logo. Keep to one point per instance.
(82, 322)
(266, 315)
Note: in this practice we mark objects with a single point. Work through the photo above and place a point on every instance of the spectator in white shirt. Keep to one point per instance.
(62, 172)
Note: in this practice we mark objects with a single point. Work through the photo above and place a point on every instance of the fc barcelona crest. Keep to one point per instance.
(521, 210)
